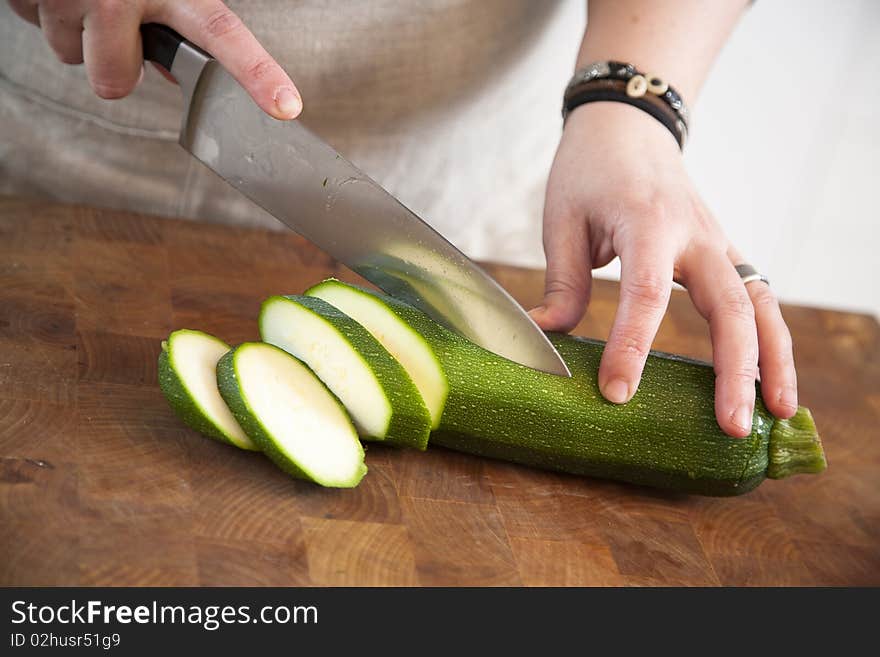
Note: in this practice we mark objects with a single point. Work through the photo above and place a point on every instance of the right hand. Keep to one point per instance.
(105, 35)
(618, 187)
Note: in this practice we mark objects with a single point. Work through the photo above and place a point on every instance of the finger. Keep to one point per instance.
(720, 296)
(63, 31)
(567, 281)
(775, 356)
(213, 26)
(26, 9)
(775, 353)
(645, 286)
(112, 50)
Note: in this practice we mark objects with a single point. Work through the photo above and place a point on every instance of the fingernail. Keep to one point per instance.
(788, 397)
(537, 310)
(616, 390)
(140, 77)
(288, 102)
(742, 418)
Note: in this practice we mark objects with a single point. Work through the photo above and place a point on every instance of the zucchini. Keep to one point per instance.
(380, 396)
(396, 335)
(291, 415)
(665, 437)
(187, 365)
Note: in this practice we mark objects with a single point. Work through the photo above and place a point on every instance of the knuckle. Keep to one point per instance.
(221, 22)
(68, 57)
(640, 223)
(744, 373)
(54, 7)
(646, 209)
(649, 292)
(111, 89)
(261, 68)
(735, 304)
(745, 369)
(705, 222)
(562, 286)
(699, 248)
(630, 345)
(763, 298)
(113, 6)
(708, 244)
(111, 10)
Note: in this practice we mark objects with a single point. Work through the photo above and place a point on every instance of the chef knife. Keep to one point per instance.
(306, 184)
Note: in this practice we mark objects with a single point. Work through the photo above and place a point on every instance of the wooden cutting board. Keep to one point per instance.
(100, 484)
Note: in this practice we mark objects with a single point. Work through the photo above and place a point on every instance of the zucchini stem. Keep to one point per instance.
(795, 447)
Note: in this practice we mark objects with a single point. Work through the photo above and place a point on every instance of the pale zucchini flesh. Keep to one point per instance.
(383, 401)
(187, 377)
(291, 415)
(386, 322)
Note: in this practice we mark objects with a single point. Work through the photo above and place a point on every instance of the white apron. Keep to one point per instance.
(453, 105)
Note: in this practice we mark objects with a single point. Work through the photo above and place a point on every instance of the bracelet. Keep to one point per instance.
(615, 91)
(620, 82)
(626, 72)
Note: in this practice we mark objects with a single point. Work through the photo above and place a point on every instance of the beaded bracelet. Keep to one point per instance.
(620, 82)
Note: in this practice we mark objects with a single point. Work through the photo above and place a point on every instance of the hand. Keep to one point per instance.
(105, 34)
(618, 187)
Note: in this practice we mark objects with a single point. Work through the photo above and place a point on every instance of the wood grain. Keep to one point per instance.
(101, 484)
(348, 553)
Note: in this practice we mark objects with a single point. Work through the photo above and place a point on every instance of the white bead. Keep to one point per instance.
(637, 86)
(657, 86)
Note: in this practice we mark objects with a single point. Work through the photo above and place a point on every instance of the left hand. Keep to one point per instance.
(618, 187)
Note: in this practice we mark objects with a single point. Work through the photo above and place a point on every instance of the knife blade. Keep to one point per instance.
(303, 182)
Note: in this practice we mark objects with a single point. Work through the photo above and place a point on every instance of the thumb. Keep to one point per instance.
(567, 284)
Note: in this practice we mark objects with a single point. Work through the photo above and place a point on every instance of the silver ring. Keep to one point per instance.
(748, 274)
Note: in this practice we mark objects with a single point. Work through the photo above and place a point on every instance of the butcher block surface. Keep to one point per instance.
(100, 484)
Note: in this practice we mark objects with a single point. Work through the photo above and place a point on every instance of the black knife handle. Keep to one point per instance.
(160, 44)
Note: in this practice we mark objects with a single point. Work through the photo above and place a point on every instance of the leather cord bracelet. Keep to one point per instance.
(615, 91)
(619, 82)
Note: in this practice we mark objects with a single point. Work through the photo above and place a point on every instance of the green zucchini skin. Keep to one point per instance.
(665, 437)
(181, 401)
(410, 423)
(173, 389)
(227, 382)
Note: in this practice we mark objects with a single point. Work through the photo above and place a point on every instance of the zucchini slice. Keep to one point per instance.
(187, 366)
(386, 320)
(291, 415)
(383, 401)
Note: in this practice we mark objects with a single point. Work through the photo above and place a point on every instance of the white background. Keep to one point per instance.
(785, 148)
